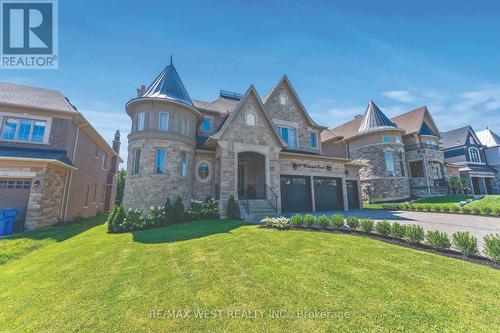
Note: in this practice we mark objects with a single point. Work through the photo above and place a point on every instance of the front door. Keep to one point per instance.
(487, 183)
(475, 185)
(328, 194)
(352, 194)
(295, 194)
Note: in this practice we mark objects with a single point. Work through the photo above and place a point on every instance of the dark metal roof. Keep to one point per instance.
(169, 85)
(373, 119)
(45, 154)
(426, 130)
(480, 168)
(230, 94)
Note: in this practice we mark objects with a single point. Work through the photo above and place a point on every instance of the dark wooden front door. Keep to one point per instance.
(475, 185)
(295, 194)
(352, 194)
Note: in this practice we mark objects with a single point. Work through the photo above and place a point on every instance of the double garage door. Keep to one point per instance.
(296, 194)
(15, 193)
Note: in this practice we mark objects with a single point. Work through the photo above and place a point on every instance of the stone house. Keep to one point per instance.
(401, 156)
(53, 164)
(491, 142)
(266, 153)
(463, 148)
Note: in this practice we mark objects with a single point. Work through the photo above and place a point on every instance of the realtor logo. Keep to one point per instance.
(29, 34)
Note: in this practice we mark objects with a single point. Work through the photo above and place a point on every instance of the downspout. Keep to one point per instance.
(73, 158)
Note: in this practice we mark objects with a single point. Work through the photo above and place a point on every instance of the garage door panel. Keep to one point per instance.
(352, 194)
(328, 194)
(15, 193)
(295, 194)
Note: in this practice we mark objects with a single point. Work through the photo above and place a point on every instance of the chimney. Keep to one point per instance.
(141, 90)
(116, 142)
(358, 116)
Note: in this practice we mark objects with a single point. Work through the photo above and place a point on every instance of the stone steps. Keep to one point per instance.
(259, 209)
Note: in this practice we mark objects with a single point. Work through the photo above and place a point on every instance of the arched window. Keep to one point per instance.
(250, 119)
(282, 100)
(474, 155)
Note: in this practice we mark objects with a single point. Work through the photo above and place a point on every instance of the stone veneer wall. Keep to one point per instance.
(148, 189)
(202, 189)
(418, 186)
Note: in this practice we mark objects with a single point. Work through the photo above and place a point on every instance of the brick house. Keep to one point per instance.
(266, 153)
(53, 164)
(401, 156)
(463, 148)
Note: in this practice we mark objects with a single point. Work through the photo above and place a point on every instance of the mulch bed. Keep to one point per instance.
(401, 242)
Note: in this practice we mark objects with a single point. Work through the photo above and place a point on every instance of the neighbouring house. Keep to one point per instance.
(266, 153)
(54, 166)
(401, 155)
(491, 141)
(462, 147)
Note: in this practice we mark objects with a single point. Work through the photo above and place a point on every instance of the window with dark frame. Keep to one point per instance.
(417, 169)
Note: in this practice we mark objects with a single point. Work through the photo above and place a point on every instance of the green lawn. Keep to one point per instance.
(446, 200)
(82, 279)
(492, 201)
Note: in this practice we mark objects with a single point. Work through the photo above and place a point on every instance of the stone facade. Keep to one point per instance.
(430, 184)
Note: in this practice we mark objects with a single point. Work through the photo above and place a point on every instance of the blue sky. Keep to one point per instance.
(338, 55)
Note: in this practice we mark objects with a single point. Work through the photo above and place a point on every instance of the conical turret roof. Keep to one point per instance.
(374, 119)
(168, 85)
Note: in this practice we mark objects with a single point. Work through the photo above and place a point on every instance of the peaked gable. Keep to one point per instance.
(250, 96)
(285, 83)
(413, 121)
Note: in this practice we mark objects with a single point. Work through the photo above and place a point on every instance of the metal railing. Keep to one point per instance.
(422, 146)
(273, 196)
(270, 196)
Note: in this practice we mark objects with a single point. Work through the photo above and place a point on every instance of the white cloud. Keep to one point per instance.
(403, 96)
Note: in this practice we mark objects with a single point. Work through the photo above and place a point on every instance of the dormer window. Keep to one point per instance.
(250, 119)
(282, 99)
(474, 155)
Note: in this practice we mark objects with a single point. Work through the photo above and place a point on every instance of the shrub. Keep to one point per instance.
(436, 209)
(154, 217)
(352, 222)
(465, 243)
(438, 240)
(428, 208)
(419, 208)
(169, 213)
(280, 223)
(323, 221)
(179, 212)
(200, 210)
(412, 207)
(297, 220)
(195, 211)
(233, 212)
(118, 219)
(366, 225)
(465, 210)
(337, 220)
(476, 210)
(383, 228)
(486, 210)
(309, 220)
(406, 206)
(414, 233)
(445, 209)
(110, 218)
(496, 211)
(398, 230)
(455, 209)
(492, 247)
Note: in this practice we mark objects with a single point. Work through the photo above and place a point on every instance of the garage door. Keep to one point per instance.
(295, 194)
(15, 193)
(352, 194)
(328, 194)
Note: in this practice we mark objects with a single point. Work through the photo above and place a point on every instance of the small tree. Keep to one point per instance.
(464, 185)
(120, 187)
(179, 212)
(453, 182)
(169, 213)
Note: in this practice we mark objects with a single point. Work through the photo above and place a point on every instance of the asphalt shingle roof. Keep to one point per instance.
(455, 138)
(46, 154)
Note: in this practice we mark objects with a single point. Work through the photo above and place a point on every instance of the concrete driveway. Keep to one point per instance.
(478, 226)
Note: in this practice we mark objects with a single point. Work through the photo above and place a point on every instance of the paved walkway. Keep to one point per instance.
(479, 226)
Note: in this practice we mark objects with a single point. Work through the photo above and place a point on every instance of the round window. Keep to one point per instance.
(203, 170)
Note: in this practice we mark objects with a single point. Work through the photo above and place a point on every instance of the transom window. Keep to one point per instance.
(391, 138)
(250, 119)
(314, 140)
(389, 162)
(474, 155)
(140, 121)
(163, 121)
(161, 155)
(25, 130)
(289, 135)
(206, 125)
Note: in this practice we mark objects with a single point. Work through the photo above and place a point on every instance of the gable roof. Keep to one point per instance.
(33, 97)
(284, 81)
(348, 129)
(413, 121)
(60, 156)
(168, 84)
(488, 138)
(250, 92)
(374, 119)
(328, 134)
(457, 137)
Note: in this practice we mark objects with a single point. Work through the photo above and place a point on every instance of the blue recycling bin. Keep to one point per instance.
(7, 220)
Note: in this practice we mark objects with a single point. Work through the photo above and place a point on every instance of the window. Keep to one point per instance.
(391, 138)
(389, 162)
(314, 140)
(161, 154)
(136, 162)
(436, 171)
(17, 184)
(282, 99)
(206, 125)
(203, 171)
(289, 135)
(87, 197)
(402, 164)
(183, 164)
(474, 155)
(417, 169)
(163, 121)
(140, 121)
(431, 143)
(104, 162)
(471, 140)
(185, 127)
(26, 130)
(250, 119)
